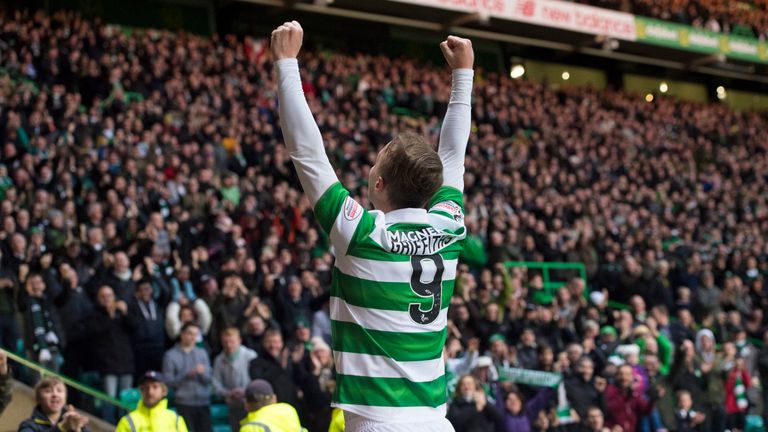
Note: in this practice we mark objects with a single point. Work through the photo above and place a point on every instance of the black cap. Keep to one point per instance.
(258, 388)
(151, 375)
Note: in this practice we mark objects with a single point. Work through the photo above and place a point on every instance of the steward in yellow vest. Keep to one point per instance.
(152, 414)
(264, 413)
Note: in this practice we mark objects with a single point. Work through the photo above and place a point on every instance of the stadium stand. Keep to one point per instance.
(744, 18)
(152, 162)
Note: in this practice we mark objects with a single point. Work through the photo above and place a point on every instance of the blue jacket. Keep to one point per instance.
(40, 423)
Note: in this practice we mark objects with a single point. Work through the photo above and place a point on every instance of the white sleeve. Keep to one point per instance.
(204, 317)
(455, 131)
(172, 322)
(302, 136)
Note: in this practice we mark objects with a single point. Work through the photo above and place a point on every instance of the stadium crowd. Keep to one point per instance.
(151, 221)
(742, 17)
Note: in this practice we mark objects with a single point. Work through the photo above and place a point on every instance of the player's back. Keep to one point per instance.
(392, 284)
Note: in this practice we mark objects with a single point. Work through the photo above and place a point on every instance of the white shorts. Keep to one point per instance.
(356, 423)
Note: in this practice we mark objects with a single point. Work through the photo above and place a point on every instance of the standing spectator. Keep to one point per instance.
(762, 365)
(273, 364)
(469, 410)
(43, 334)
(112, 355)
(229, 306)
(736, 386)
(315, 377)
(253, 331)
(686, 418)
(74, 308)
(9, 331)
(293, 305)
(230, 373)
(584, 389)
(119, 275)
(188, 371)
(52, 412)
(148, 336)
(152, 413)
(623, 405)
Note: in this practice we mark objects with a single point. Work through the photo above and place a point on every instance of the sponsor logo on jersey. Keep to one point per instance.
(451, 208)
(352, 210)
(420, 242)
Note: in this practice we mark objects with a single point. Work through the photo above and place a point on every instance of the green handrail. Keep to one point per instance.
(549, 285)
(66, 380)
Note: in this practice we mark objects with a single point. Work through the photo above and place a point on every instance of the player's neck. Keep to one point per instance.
(383, 206)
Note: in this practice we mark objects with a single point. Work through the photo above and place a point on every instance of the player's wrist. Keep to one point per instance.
(287, 60)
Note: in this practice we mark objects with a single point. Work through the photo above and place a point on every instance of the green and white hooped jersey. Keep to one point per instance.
(392, 284)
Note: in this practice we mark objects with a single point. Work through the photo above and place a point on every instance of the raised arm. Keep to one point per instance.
(302, 136)
(455, 131)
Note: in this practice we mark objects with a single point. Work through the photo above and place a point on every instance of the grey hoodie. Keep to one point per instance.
(189, 388)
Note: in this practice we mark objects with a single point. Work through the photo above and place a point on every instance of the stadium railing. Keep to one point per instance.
(97, 395)
(550, 271)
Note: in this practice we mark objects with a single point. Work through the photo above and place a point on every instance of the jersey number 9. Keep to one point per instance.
(433, 288)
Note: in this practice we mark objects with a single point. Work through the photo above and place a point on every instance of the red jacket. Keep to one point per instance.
(731, 407)
(625, 408)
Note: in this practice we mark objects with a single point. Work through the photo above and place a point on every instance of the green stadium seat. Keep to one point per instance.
(219, 412)
(130, 397)
(754, 424)
(221, 428)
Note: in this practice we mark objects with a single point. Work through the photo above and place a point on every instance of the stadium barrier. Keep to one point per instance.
(550, 286)
(70, 382)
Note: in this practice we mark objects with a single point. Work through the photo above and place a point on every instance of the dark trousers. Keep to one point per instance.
(237, 413)
(9, 332)
(198, 418)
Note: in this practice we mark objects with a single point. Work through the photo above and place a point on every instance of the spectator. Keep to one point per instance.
(41, 323)
(254, 332)
(595, 421)
(119, 275)
(686, 418)
(188, 371)
(74, 307)
(469, 410)
(230, 305)
(584, 389)
(293, 305)
(624, 405)
(273, 365)
(519, 414)
(6, 387)
(52, 412)
(152, 413)
(736, 386)
(230, 373)
(265, 413)
(176, 315)
(762, 364)
(9, 331)
(112, 355)
(148, 337)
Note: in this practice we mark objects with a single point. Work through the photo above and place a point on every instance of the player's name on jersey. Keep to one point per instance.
(424, 241)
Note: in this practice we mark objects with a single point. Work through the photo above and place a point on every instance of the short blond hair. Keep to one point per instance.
(45, 384)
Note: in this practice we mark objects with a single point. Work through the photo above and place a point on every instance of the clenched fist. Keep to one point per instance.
(458, 52)
(286, 40)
